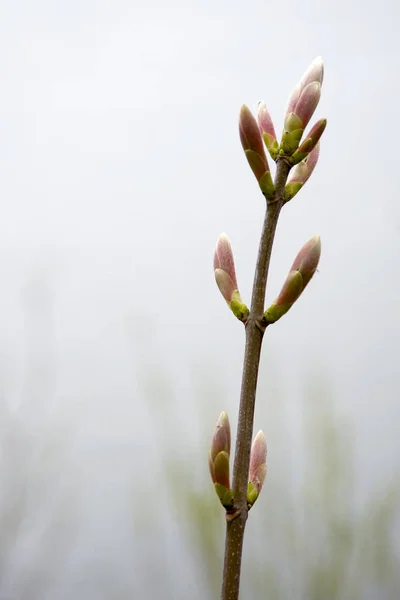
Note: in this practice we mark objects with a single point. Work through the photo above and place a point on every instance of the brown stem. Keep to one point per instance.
(236, 519)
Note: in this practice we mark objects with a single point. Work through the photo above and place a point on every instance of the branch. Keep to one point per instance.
(237, 517)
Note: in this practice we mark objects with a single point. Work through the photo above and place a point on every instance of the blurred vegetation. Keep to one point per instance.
(313, 540)
(311, 534)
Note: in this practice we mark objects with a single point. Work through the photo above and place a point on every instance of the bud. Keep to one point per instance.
(301, 173)
(294, 96)
(296, 121)
(253, 147)
(221, 440)
(218, 460)
(311, 140)
(267, 130)
(308, 102)
(258, 468)
(225, 276)
(301, 272)
(301, 106)
(315, 72)
(223, 260)
(306, 262)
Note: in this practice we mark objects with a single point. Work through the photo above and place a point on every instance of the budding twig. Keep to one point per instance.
(249, 467)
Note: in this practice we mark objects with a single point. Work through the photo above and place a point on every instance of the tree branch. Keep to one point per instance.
(236, 519)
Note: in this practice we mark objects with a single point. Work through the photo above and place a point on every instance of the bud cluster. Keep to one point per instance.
(302, 103)
(300, 155)
(302, 158)
(218, 461)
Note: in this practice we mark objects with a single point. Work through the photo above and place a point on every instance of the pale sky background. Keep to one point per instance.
(120, 164)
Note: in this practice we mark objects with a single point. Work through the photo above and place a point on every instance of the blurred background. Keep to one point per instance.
(120, 164)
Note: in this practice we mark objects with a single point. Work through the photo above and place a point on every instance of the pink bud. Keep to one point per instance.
(303, 170)
(225, 285)
(249, 132)
(224, 268)
(265, 122)
(303, 268)
(311, 139)
(223, 256)
(314, 73)
(221, 440)
(306, 262)
(225, 277)
(218, 456)
(258, 461)
(291, 289)
(252, 143)
(294, 96)
(308, 102)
